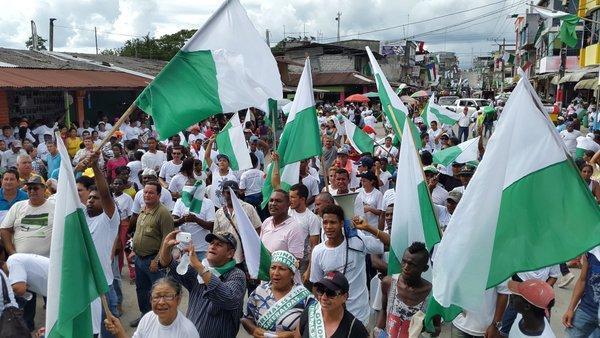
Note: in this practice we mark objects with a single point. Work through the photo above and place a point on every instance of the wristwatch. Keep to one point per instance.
(498, 325)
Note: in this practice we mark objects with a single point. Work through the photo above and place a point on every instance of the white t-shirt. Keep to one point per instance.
(390, 152)
(388, 198)
(541, 274)
(104, 231)
(475, 323)
(252, 181)
(150, 327)
(515, 331)
(326, 259)
(41, 130)
(192, 138)
(124, 204)
(207, 213)
(312, 184)
(309, 221)
(384, 176)
(439, 195)
(443, 215)
(432, 135)
(31, 269)
(135, 168)
(178, 182)
(570, 140)
(153, 160)
(370, 121)
(373, 199)
(32, 226)
(168, 170)
(138, 201)
(217, 181)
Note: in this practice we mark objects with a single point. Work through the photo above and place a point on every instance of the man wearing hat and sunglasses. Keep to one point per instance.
(215, 284)
(221, 172)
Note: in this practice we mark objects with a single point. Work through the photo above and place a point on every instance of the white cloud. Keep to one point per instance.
(118, 20)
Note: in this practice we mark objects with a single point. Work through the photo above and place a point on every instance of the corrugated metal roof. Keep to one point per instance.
(68, 78)
(333, 79)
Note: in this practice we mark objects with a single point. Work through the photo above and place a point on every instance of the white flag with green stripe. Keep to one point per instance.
(462, 153)
(414, 218)
(75, 276)
(435, 112)
(226, 66)
(394, 110)
(358, 139)
(256, 256)
(232, 142)
(192, 196)
(526, 207)
(301, 137)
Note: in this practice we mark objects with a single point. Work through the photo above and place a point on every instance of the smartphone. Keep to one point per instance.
(184, 238)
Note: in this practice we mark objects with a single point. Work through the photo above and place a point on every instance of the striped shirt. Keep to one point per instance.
(216, 307)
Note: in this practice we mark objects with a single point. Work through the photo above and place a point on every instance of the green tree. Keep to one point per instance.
(41, 43)
(163, 48)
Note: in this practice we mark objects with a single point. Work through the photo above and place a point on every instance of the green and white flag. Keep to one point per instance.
(75, 276)
(462, 153)
(568, 24)
(435, 112)
(232, 142)
(192, 196)
(301, 137)
(585, 143)
(508, 58)
(256, 256)
(395, 111)
(226, 66)
(414, 220)
(512, 217)
(184, 141)
(359, 140)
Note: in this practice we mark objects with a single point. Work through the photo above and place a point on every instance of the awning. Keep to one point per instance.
(554, 80)
(590, 84)
(578, 75)
(16, 78)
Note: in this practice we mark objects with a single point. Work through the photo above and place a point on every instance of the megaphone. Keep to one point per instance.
(350, 204)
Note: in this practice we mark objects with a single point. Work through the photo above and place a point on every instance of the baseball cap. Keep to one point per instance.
(368, 175)
(16, 144)
(454, 195)
(334, 280)
(223, 236)
(365, 161)
(430, 169)
(444, 135)
(467, 170)
(537, 292)
(220, 156)
(342, 151)
(457, 164)
(149, 172)
(253, 138)
(34, 180)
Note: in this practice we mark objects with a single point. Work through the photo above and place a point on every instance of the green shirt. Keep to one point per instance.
(151, 228)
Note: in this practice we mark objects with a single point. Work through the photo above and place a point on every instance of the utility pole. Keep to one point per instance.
(268, 40)
(51, 34)
(34, 36)
(338, 18)
(502, 75)
(96, 39)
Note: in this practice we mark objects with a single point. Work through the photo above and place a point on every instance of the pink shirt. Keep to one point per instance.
(113, 164)
(288, 236)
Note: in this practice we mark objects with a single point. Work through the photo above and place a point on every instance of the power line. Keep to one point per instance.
(418, 22)
(91, 30)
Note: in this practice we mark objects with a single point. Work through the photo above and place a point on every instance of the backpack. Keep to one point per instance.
(12, 324)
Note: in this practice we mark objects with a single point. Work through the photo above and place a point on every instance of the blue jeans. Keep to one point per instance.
(463, 133)
(584, 326)
(117, 281)
(510, 314)
(144, 279)
(111, 298)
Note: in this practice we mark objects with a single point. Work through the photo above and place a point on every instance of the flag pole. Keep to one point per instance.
(105, 307)
(117, 125)
(325, 173)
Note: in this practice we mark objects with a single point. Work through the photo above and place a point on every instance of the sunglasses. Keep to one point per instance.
(321, 290)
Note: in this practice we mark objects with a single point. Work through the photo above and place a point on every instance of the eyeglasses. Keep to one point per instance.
(33, 187)
(327, 292)
(166, 298)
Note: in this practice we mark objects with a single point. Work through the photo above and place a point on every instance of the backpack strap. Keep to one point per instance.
(5, 296)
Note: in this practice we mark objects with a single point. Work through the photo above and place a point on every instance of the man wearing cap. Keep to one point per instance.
(438, 194)
(9, 157)
(216, 286)
(153, 224)
(450, 179)
(220, 171)
(532, 299)
(171, 168)
(153, 158)
(465, 174)
(444, 211)
(225, 220)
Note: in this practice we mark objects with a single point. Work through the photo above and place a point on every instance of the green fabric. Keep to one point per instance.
(568, 30)
(226, 148)
(265, 263)
(435, 309)
(82, 280)
(189, 194)
(316, 324)
(446, 156)
(394, 116)
(183, 93)
(296, 295)
(533, 211)
(271, 116)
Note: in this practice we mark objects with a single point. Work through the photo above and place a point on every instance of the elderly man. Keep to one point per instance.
(153, 225)
(9, 157)
(215, 284)
(25, 169)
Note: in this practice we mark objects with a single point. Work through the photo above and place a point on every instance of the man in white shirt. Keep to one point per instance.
(438, 194)
(251, 183)
(170, 168)
(44, 129)
(311, 183)
(569, 137)
(370, 120)
(306, 218)
(27, 272)
(221, 172)
(435, 133)
(463, 125)
(153, 158)
(387, 150)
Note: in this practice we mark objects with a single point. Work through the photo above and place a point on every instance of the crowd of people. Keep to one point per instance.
(328, 271)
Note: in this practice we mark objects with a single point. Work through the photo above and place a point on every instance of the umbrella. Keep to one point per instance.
(489, 109)
(357, 98)
(407, 99)
(420, 93)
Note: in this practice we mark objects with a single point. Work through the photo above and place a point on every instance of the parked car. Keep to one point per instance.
(447, 100)
(471, 103)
